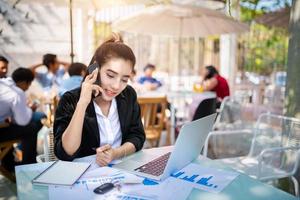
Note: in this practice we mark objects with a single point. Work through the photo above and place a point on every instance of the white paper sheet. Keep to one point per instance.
(208, 179)
(176, 187)
(168, 189)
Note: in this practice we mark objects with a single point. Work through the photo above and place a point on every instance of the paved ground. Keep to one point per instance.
(8, 190)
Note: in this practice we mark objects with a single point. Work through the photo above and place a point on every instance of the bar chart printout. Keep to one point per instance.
(208, 179)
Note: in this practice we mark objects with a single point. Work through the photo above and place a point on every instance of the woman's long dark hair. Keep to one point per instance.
(212, 71)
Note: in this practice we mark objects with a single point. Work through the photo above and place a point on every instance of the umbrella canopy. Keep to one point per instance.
(278, 18)
(179, 21)
(94, 4)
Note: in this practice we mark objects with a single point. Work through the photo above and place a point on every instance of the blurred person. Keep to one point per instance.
(3, 66)
(148, 80)
(212, 81)
(134, 83)
(76, 71)
(54, 74)
(23, 122)
(103, 116)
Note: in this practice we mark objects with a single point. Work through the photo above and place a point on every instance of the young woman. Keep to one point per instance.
(214, 82)
(109, 124)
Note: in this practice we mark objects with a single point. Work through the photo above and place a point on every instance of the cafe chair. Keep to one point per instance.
(205, 108)
(48, 147)
(153, 117)
(274, 149)
(5, 147)
(230, 113)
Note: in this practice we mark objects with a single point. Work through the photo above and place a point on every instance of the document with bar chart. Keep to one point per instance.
(204, 178)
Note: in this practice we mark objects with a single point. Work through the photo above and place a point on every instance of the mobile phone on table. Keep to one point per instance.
(90, 70)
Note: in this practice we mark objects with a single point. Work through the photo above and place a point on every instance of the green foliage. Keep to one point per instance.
(247, 15)
(265, 49)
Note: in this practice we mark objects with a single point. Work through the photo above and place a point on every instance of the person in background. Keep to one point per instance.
(55, 73)
(108, 124)
(134, 83)
(148, 80)
(23, 122)
(3, 66)
(76, 71)
(212, 81)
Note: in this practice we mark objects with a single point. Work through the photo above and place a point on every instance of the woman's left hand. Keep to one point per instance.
(105, 155)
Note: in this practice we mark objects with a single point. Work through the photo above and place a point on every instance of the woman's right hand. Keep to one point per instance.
(88, 86)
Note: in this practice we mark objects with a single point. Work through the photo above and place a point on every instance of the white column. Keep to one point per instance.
(196, 57)
(228, 50)
(83, 37)
(228, 57)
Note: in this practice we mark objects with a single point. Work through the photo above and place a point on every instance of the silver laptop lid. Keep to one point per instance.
(189, 143)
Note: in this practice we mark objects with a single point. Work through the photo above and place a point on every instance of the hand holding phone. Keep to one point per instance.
(90, 70)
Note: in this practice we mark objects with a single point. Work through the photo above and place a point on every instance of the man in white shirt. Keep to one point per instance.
(15, 111)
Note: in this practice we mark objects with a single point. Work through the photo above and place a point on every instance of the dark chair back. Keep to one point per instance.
(205, 108)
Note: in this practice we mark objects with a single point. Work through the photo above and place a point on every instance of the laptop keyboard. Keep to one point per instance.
(155, 167)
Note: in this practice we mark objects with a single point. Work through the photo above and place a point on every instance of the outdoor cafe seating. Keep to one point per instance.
(272, 146)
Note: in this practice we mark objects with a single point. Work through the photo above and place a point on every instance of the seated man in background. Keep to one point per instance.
(3, 66)
(55, 73)
(212, 81)
(76, 71)
(148, 80)
(23, 122)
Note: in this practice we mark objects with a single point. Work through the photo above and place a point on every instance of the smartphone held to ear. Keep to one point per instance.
(90, 70)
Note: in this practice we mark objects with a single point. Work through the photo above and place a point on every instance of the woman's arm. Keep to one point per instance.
(210, 84)
(71, 137)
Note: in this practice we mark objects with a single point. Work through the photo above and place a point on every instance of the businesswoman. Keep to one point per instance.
(109, 124)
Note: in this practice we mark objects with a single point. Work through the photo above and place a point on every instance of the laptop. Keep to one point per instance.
(188, 146)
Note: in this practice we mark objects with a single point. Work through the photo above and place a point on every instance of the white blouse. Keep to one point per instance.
(109, 127)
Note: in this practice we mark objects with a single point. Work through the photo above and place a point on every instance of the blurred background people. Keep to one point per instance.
(3, 66)
(148, 80)
(133, 82)
(54, 73)
(213, 81)
(23, 123)
(76, 71)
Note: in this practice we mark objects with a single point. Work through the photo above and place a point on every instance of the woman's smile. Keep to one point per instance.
(110, 93)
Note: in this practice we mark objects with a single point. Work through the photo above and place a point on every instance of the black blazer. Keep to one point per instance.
(129, 116)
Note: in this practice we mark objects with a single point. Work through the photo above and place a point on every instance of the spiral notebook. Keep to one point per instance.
(61, 173)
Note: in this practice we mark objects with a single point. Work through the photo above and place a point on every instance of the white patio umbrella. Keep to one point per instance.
(179, 21)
